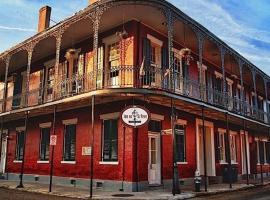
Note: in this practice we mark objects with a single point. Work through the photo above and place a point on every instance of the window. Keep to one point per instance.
(44, 144)
(19, 145)
(180, 140)
(154, 126)
(262, 152)
(267, 152)
(69, 142)
(233, 148)
(110, 140)
(222, 152)
(114, 57)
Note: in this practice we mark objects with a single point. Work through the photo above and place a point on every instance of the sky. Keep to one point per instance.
(242, 24)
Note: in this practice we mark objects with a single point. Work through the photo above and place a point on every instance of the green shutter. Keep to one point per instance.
(147, 52)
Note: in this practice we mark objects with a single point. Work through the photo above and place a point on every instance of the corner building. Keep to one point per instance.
(114, 54)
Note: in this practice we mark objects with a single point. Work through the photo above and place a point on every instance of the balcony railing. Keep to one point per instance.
(131, 76)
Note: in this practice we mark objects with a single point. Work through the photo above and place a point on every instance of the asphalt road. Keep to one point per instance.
(6, 194)
(260, 193)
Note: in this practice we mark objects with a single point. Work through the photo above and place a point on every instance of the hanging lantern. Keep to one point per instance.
(71, 54)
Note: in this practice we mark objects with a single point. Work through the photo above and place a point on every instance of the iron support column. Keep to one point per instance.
(255, 93)
(204, 152)
(200, 46)
(241, 104)
(222, 55)
(176, 187)
(228, 150)
(24, 144)
(246, 151)
(52, 153)
(92, 145)
(7, 61)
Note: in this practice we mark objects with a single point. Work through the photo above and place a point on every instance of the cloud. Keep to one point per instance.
(17, 29)
(236, 33)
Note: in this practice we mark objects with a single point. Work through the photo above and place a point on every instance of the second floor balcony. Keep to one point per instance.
(79, 55)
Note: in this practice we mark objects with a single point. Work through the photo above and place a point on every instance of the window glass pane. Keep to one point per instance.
(110, 137)
(44, 143)
(154, 126)
(19, 146)
(70, 142)
(180, 143)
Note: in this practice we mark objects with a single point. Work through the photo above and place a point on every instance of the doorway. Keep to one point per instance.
(154, 162)
(210, 150)
(243, 153)
(3, 155)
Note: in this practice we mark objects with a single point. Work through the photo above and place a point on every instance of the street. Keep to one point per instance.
(10, 194)
(260, 193)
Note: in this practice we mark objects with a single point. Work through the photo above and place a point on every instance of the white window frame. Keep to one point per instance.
(221, 138)
(66, 122)
(183, 122)
(233, 137)
(103, 117)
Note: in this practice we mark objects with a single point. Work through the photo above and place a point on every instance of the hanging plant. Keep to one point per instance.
(72, 54)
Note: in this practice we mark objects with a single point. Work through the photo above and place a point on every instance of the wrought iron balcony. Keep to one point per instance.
(132, 77)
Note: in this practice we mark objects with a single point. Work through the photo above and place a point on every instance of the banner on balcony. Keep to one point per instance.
(135, 116)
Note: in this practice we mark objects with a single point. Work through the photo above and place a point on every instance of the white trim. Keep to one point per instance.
(212, 148)
(223, 163)
(70, 121)
(181, 122)
(204, 67)
(154, 40)
(43, 161)
(106, 116)
(21, 128)
(17, 161)
(233, 132)
(182, 163)
(108, 163)
(68, 162)
(221, 130)
(230, 82)
(45, 125)
(243, 150)
(218, 75)
(260, 97)
(156, 117)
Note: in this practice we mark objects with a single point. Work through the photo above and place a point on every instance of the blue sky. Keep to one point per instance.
(244, 25)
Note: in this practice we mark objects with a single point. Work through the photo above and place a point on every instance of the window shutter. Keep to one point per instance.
(146, 52)
(17, 91)
(217, 145)
(164, 58)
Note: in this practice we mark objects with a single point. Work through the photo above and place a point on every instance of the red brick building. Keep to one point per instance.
(114, 54)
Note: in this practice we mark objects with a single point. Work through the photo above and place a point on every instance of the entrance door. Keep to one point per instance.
(154, 169)
(243, 154)
(3, 155)
(209, 151)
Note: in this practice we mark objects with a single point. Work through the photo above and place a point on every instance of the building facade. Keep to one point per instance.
(73, 80)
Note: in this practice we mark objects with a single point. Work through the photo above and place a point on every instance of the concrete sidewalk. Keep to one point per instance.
(159, 194)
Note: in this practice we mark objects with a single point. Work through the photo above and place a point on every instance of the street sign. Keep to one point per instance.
(86, 151)
(135, 116)
(53, 140)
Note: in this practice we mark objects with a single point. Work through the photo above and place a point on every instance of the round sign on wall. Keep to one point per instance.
(135, 116)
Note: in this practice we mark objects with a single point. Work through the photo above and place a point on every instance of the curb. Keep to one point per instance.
(192, 195)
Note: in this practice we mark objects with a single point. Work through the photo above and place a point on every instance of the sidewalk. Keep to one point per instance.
(160, 194)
